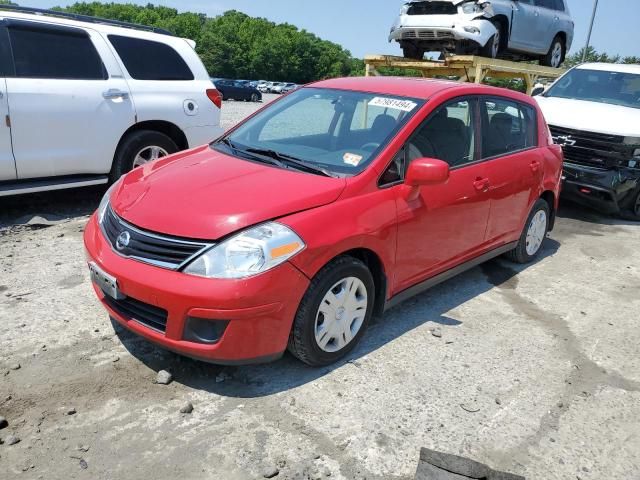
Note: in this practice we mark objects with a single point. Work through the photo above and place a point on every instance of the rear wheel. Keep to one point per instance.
(556, 54)
(631, 209)
(334, 313)
(255, 97)
(139, 148)
(534, 234)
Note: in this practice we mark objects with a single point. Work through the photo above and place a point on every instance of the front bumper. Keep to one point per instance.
(605, 190)
(259, 310)
(444, 30)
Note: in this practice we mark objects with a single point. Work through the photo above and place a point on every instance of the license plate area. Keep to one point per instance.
(107, 283)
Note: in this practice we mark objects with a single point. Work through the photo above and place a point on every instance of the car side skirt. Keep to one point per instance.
(444, 276)
(51, 183)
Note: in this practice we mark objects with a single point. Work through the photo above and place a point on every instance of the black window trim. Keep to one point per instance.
(472, 99)
(7, 61)
(536, 139)
(9, 24)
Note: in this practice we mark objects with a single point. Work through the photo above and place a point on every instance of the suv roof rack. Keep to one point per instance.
(84, 18)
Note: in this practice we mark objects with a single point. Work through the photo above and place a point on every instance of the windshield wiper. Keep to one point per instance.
(290, 160)
(254, 155)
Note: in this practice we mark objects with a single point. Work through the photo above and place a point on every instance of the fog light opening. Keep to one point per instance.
(202, 330)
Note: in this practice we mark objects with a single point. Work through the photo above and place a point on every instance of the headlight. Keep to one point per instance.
(104, 203)
(471, 7)
(251, 252)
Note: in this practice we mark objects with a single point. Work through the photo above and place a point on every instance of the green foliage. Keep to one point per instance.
(235, 45)
(594, 56)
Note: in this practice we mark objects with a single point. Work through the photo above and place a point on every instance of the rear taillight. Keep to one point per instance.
(215, 97)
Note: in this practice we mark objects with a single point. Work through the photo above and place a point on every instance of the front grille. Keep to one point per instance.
(592, 149)
(428, 35)
(132, 309)
(155, 249)
(432, 8)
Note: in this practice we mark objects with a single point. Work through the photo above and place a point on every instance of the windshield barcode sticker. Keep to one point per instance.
(404, 105)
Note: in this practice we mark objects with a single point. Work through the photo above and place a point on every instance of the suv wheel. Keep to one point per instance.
(556, 54)
(139, 148)
(493, 48)
(413, 52)
(533, 236)
(255, 97)
(631, 208)
(334, 313)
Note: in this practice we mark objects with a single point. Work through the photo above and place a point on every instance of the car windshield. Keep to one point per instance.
(336, 131)
(617, 88)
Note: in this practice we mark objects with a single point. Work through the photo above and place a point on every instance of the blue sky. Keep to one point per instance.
(362, 25)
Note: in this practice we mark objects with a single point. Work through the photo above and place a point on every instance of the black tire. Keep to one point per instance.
(413, 52)
(631, 208)
(550, 58)
(489, 50)
(302, 341)
(134, 143)
(255, 97)
(520, 254)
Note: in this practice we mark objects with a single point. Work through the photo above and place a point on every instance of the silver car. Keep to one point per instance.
(518, 29)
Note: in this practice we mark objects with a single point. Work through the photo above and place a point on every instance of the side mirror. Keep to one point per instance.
(427, 171)
(537, 91)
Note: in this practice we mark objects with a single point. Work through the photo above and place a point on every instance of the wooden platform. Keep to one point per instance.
(467, 68)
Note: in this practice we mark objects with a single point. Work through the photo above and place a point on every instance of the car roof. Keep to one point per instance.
(611, 67)
(420, 88)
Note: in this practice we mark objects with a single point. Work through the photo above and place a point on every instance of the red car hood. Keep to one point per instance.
(204, 194)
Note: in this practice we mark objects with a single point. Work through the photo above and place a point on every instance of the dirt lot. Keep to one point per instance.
(537, 371)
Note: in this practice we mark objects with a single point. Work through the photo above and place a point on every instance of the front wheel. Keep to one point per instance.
(533, 235)
(494, 46)
(631, 210)
(334, 312)
(556, 54)
(255, 97)
(412, 52)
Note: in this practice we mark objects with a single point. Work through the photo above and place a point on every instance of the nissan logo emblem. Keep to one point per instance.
(123, 240)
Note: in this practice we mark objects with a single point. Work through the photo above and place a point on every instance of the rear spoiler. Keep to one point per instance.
(192, 43)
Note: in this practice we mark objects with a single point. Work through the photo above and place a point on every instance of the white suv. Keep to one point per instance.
(84, 100)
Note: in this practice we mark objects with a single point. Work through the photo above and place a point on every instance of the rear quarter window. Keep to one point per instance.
(149, 60)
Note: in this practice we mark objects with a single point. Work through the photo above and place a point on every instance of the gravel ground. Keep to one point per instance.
(532, 370)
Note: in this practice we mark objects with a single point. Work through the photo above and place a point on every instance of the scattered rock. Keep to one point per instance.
(271, 472)
(12, 440)
(83, 464)
(187, 408)
(498, 401)
(15, 366)
(164, 378)
(71, 411)
(436, 332)
(552, 440)
(3, 423)
(83, 448)
(560, 404)
(115, 359)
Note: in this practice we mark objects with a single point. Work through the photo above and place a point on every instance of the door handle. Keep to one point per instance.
(535, 166)
(481, 184)
(114, 93)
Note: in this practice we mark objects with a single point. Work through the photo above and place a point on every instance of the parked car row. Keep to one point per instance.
(276, 87)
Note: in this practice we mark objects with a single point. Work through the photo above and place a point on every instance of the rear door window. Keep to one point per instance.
(148, 60)
(56, 53)
(508, 127)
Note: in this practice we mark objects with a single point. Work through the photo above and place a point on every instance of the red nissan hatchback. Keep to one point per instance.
(324, 208)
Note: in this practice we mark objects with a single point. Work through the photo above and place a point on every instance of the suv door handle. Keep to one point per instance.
(481, 184)
(114, 93)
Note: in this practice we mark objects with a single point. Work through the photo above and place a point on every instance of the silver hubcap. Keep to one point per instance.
(536, 232)
(556, 55)
(149, 154)
(341, 314)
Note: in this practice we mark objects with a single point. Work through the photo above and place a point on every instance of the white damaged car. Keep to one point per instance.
(517, 29)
